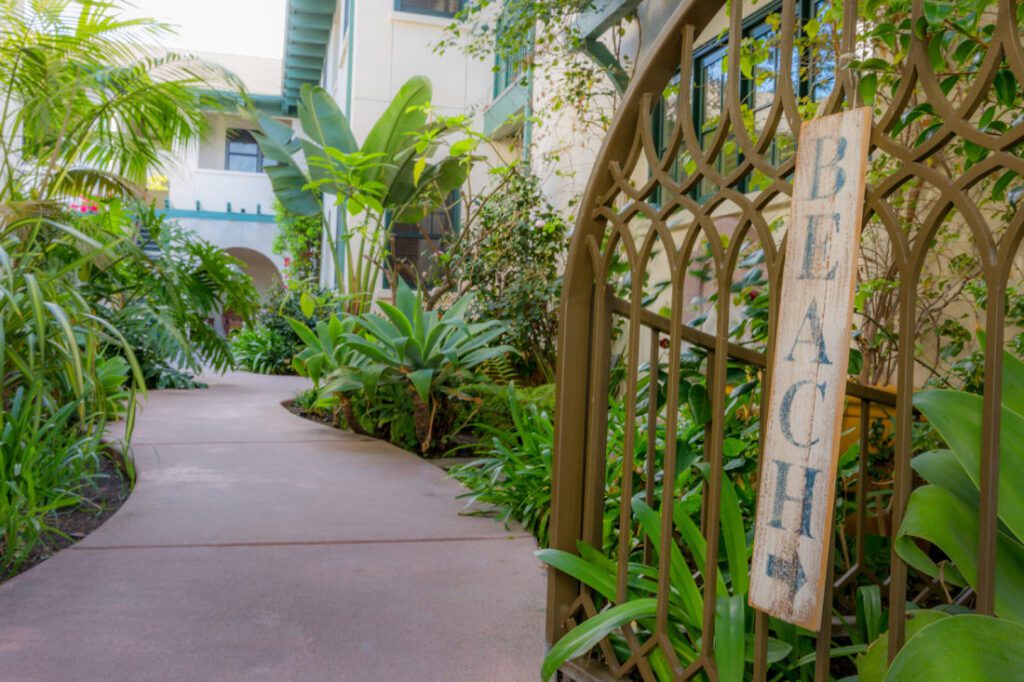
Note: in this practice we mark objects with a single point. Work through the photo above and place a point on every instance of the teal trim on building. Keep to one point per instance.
(231, 101)
(217, 215)
(307, 34)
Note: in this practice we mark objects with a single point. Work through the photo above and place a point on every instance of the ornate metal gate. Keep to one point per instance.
(698, 201)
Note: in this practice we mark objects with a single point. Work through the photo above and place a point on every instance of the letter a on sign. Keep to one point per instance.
(793, 532)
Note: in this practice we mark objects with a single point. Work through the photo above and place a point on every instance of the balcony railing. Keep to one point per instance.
(509, 69)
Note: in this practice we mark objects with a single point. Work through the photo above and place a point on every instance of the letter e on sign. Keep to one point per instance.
(796, 497)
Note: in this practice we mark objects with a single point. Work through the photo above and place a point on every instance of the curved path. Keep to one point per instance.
(261, 546)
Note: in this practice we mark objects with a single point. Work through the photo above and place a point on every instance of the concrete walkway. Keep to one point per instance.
(261, 546)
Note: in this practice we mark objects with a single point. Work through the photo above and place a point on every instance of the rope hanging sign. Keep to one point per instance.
(808, 370)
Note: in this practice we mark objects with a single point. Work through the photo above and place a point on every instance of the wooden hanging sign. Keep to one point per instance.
(793, 530)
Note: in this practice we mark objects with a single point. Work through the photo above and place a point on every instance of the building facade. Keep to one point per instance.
(217, 187)
(362, 51)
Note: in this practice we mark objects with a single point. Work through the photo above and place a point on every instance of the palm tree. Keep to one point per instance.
(87, 108)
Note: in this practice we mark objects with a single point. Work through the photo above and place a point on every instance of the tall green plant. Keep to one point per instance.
(513, 475)
(86, 105)
(390, 177)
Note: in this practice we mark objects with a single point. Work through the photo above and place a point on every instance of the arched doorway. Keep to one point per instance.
(264, 273)
(265, 276)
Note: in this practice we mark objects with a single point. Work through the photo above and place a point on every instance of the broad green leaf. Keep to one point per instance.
(873, 663)
(734, 537)
(588, 634)
(277, 141)
(867, 87)
(304, 333)
(730, 638)
(870, 620)
(936, 11)
(323, 121)
(587, 573)
(402, 323)
(1013, 382)
(308, 304)
(396, 128)
(289, 183)
(934, 514)
(941, 468)
(679, 572)
(421, 382)
(957, 417)
(1006, 87)
(417, 169)
(968, 648)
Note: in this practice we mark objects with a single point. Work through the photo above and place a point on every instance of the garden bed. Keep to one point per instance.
(107, 493)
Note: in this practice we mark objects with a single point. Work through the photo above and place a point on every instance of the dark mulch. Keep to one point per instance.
(108, 492)
(318, 416)
(445, 461)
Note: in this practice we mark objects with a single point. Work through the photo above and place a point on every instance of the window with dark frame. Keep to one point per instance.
(243, 153)
(757, 90)
(414, 255)
(439, 8)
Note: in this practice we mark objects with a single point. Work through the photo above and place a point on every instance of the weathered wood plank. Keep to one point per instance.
(801, 449)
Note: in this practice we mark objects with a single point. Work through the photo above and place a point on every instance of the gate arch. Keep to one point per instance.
(617, 334)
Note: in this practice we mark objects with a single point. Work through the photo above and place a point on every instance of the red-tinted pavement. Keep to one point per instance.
(260, 546)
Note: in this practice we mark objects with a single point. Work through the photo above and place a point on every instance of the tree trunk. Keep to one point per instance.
(423, 418)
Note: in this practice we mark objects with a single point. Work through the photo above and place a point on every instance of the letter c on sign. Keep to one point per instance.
(786, 411)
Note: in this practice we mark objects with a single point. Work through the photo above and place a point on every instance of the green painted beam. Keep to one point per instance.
(306, 62)
(310, 22)
(313, 6)
(308, 75)
(301, 50)
(312, 37)
(307, 35)
(500, 116)
(594, 23)
(603, 15)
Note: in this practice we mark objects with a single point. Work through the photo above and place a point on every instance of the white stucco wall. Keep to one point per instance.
(196, 174)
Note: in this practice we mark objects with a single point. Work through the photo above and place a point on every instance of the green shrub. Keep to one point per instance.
(298, 237)
(261, 349)
(512, 263)
(162, 303)
(489, 404)
(269, 343)
(514, 475)
(45, 462)
(542, 396)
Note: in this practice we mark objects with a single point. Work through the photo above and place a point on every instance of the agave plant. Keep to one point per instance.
(326, 352)
(429, 353)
